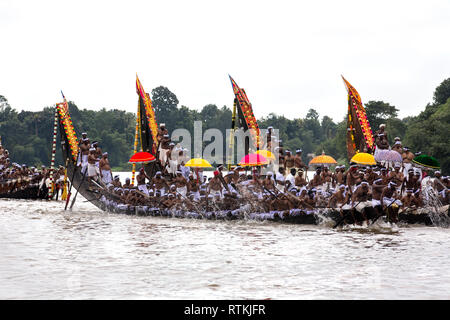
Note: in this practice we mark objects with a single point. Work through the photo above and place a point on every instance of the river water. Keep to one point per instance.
(49, 253)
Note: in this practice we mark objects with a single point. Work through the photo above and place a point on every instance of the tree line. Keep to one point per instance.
(28, 135)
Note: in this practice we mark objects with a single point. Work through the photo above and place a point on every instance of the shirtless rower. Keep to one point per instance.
(352, 177)
(215, 185)
(299, 180)
(396, 176)
(389, 201)
(91, 167)
(370, 176)
(298, 162)
(140, 178)
(289, 161)
(317, 179)
(409, 201)
(159, 183)
(181, 184)
(339, 198)
(327, 177)
(407, 157)
(127, 183)
(409, 182)
(84, 148)
(105, 169)
(193, 187)
(360, 199)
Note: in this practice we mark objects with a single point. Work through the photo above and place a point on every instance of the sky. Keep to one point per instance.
(288, 55)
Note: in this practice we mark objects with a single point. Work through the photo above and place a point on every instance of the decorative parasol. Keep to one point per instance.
(426, 161)
(253, 160)
(388, 155)
(266, 153)
(198, 163)
(364, 159)
(140, 157)
(322, 160)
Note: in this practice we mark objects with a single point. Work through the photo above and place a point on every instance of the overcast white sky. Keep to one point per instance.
(288, 55)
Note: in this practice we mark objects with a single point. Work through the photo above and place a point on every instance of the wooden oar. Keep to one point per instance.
(75, 197)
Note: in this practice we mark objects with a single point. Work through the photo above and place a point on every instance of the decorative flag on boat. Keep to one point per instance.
(246, 108)
(149, 112)
(64, 116)
(359, 134)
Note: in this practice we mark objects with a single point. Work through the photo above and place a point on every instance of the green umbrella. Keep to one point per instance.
(426, 161)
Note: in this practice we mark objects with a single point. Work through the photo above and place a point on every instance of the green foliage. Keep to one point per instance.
(379, 112)
(442, 92)
(430, 135)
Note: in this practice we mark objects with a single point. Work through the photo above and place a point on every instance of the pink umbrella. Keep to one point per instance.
(253, 160)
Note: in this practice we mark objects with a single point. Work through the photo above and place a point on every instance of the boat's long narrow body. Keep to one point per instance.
(28, 193)
(102, 198)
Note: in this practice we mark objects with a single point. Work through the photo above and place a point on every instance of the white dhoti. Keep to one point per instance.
(182, 191)
(346, 207)
(106, 176)
(364, 204)
(143, 188)
(388, 201)
(172, 166)
(84, 163)
(162, 191)
(376, 202)
(407, 167)
(196, 195)
(92, 170)
(163, 155)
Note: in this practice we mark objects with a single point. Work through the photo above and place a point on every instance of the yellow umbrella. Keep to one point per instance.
(364, 158)
(322, 160)
(267, 154)
(198, 163)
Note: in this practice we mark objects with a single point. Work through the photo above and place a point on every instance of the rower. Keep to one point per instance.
(361, 197)
(105, 169)
(317, 179)
(140, 178)
(84, 148)
(299, 180)
(279, 179)
(339, 198)
(91, 167)
(215, 185)
(193, 187)
(116, 182)
(181, 184)
(289, 162)
(352, 177)
(437, 183)
(389, 200)
(298, 162)
(127, 183)
(409, 201)
(159, 183)
(290, 180)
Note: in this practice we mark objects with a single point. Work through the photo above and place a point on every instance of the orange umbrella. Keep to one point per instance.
(322, 160)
